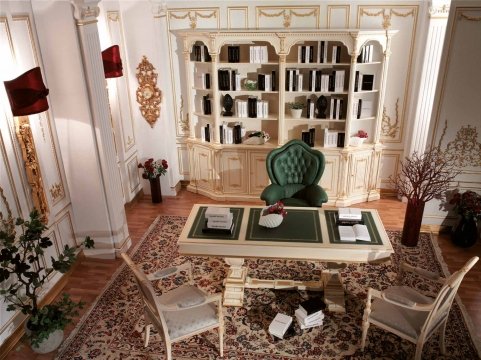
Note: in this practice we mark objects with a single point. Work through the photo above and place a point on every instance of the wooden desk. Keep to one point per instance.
(305, 234)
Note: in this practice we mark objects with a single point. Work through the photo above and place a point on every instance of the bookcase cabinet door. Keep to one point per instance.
(233, 166)
(330, 178)
(360, 172)
(203, 168)
(258, 173)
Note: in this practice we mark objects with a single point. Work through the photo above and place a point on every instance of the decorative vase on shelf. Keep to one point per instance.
(270, 220)
(356, 141)
(155, 190)
(466, 233)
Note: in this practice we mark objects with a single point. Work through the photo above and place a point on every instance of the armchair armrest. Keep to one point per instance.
(273, 193)
(208, 299)
(393, 296)
(423, 273)
(315, 195)
(163, 273)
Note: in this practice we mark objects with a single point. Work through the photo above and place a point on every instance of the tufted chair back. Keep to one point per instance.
(292, 168)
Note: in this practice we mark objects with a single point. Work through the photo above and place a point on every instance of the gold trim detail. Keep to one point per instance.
(386, 24)
(439, 11)
(148, 95)
(57, 192)
(390, 127)
(464, 150)
(469, 18)
(32, 168)
(192, 15)
(7, 205)
(183, 121)
(287, 14)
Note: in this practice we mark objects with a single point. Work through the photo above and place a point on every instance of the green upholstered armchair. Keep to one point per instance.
(294, 170)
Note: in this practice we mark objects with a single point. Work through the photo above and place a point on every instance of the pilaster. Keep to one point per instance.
(115, 235)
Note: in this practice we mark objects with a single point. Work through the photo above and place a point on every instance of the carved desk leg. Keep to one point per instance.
(333, 290)
(235, 282)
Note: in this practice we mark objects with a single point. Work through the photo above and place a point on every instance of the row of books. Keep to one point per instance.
(305, 54)
(363, 82)
(366, 54)
(202, 80)
(333, 138)
(233, 54)
(228, 79)
(362, 108)
(322, 53)
(309, 313)
(258, 54)
(218, 220)
(201, 53)
(266, 82)
(309, 136)
(336, 108)
(252, 108)
(327, 82)
(206, 105)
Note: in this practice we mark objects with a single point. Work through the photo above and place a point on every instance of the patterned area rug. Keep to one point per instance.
(112, 328)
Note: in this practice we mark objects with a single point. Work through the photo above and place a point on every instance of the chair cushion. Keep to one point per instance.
(183, 296)
(406, 321)
(183, 322)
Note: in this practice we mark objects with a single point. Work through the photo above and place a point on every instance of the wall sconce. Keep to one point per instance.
(27, 95)
(112, 62)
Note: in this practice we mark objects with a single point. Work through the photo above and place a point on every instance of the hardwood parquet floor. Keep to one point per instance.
(90, 276)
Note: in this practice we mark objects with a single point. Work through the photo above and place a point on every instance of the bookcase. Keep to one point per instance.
(242, 81)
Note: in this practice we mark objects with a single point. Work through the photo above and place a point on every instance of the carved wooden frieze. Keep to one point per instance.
(148, 95)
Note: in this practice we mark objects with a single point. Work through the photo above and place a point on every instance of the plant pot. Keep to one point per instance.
(155, 190)
(49, 344)
(356, 141)
(412, 223)
(271, 220)
(296, 113)
(466, 233)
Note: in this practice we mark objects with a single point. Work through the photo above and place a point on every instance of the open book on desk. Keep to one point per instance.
(353, 233)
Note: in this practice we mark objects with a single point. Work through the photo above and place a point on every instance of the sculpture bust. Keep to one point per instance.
(321, 105)
(228, 103)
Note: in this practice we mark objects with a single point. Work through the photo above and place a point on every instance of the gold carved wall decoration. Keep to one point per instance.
(148, 95)
(192, 15)
(470, 18)
(183, 121)
(57, 192)
(464, 150)
(7, 206)
(387, 15)
(390, 127)
(287, 14)
(32, 167)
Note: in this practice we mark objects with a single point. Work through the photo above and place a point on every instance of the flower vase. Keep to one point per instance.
(412, 223)
(155, 190)
(466, 233)
(270, 220)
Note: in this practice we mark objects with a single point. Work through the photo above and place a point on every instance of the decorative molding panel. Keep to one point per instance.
(238, 17)
(288, 17)
(193, 15)
(338, 16)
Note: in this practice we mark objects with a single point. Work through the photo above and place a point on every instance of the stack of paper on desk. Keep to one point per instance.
(350, 214)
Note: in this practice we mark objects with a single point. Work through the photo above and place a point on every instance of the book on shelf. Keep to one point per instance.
(354, 232)
(330, 138)
(258, 54)
(273, 80)
(349, 213)
(206, 105)
(366, 54)
(311, 306)
(233, 54)
(280, 324)
(340, 139)
(201, 53)
(322, 52)
(356, 81)
(366, 109)
(336, 54)
(367, 82)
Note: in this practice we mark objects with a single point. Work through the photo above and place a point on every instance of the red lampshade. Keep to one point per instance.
(112, 62)
(27, 93)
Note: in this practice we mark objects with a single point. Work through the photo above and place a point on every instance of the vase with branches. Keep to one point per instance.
(422, 177)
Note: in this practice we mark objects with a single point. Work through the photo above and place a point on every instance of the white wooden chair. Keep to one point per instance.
(411, 315)
(179, 313)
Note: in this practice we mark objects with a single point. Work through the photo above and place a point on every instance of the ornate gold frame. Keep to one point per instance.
(32, 166)
(148, 95)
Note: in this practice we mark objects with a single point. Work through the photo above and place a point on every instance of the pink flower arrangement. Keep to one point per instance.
(152, 168)
(277, 208)
(362, 134)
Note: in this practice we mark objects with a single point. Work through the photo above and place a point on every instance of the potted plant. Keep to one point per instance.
(422, 178)
(296, 108)
(152, 171)
(468, 206)
(272, 216)
(23, 276)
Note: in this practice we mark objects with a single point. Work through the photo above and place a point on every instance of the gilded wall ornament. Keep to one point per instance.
(148, 95)
(287, 14)
(387, 15)
(390, 127)
(184, 120)
(464, 150)
(32, 167)
(57, 192)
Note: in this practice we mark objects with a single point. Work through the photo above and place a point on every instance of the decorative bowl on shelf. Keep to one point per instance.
(270, 220)
(250, 85)
(356, 141)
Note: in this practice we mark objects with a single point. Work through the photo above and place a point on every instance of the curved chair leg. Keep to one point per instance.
(365, 328)
(168, 351)
(147, 335)
(419, 349)
(442, 342)
(221, 341)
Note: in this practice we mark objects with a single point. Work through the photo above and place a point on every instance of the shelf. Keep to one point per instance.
(315, 65)
(234, 118)
(203, 90)
(320, 93)
(370, 63)
(233, 64)
(364, 119)
(203, 115)
(288, 118)
(248, 92)
(365, 92)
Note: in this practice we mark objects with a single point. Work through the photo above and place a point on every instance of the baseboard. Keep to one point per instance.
(388, 193)
(12, 341)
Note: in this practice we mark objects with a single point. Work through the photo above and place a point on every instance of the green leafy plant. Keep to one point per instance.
(296, 105)
(23, 275)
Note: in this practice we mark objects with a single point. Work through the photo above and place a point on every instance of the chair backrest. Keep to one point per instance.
(444, 300)
(149, 298)
(295, 163)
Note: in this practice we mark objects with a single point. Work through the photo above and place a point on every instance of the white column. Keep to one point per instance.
(116, 231)
(420, 116)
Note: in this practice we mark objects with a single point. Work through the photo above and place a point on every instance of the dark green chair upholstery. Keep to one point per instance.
(295, 170)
